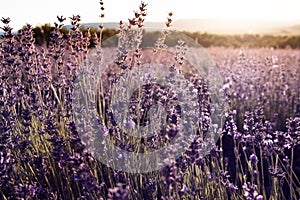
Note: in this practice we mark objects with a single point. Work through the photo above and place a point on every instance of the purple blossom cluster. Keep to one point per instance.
(42, 155)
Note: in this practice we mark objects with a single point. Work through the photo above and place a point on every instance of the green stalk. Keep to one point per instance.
(291, 173)
(262, 174)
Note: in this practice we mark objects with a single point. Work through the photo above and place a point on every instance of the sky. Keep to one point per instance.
(38, 12)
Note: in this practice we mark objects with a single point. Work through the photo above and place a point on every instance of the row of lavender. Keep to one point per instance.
(42, 156)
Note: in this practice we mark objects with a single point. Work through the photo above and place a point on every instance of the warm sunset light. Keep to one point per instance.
(45, 11)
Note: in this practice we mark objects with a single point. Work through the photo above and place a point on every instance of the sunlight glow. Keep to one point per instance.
(40, 12)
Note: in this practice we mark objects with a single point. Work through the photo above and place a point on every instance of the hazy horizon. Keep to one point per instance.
(211, 25)
(217, 26)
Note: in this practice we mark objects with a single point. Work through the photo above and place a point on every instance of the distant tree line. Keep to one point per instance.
(42, 37)
(246, 40)
(42, 34)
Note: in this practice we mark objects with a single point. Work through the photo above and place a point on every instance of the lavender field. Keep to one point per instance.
(48, 150)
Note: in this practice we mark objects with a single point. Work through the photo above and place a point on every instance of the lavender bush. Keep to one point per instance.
(42, 155)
